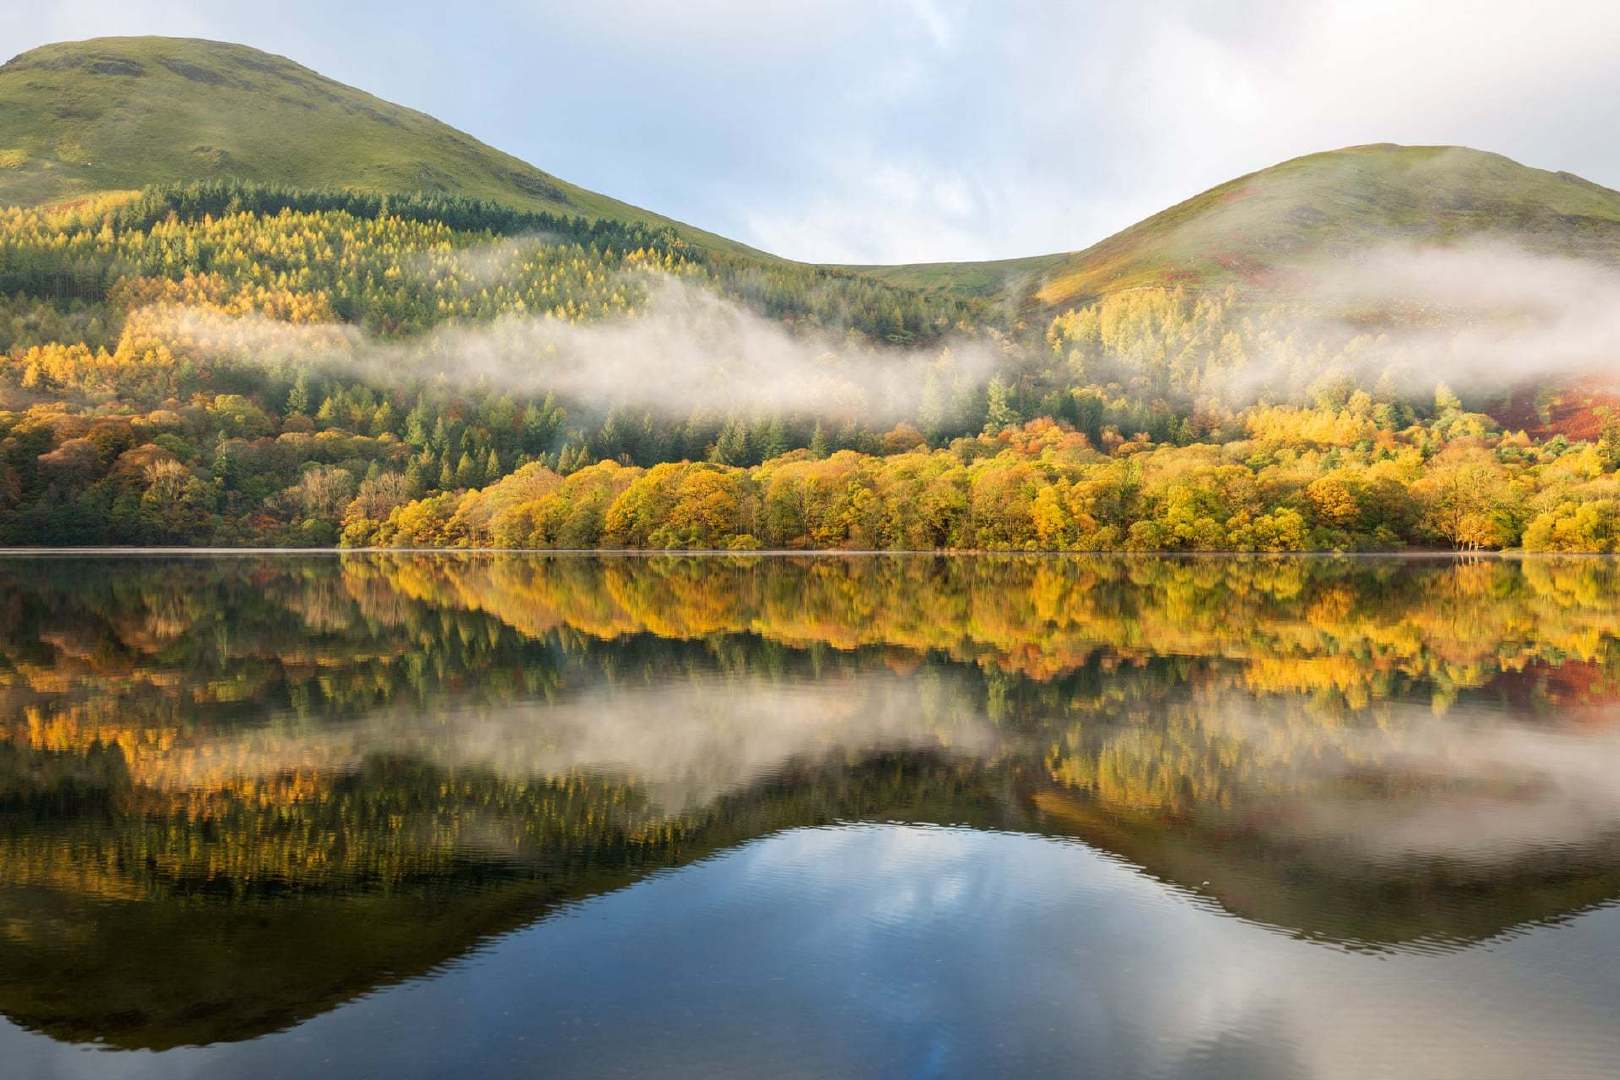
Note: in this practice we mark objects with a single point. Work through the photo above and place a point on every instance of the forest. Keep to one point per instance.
(1154, 419)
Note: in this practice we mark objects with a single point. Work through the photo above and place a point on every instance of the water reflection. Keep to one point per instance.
(239, 792)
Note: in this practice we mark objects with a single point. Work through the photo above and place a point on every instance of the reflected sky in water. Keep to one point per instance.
(413, 815)
(909, 951)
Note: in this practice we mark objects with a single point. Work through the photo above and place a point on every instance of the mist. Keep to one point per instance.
(1471, 786)
(684, 743)
(1481, 316)
(684, 348)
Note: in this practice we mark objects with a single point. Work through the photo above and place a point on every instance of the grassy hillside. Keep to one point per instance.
(117, 113)
(1251, 231)
(1005, 278)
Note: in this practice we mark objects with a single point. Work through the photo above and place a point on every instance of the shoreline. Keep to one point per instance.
(813, 553)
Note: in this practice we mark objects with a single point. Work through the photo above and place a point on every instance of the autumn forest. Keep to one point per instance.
(145, 398)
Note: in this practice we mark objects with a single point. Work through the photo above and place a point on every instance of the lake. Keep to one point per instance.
(897, 816)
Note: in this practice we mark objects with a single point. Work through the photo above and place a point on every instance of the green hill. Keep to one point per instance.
(107, 114)
(1251, 231)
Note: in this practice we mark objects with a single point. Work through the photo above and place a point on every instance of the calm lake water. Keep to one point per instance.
(422, 815)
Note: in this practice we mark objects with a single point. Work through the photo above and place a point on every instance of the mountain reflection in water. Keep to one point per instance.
(238, 793)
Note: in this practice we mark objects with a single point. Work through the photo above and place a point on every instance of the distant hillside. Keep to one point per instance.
(117, 113)
(1250, 231)
(1003, 278)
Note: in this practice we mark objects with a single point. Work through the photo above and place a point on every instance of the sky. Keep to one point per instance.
(922, 130)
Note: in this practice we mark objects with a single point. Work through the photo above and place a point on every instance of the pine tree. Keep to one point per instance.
(608, 438)
(416, 427)
(1445, 401)
(571, 459)
(731, 448)
(466, 471)
(999, 412)
(931, 411)
(818, 442)
(773, 440)
(539, 424)
(298, 396)
(1609, 444)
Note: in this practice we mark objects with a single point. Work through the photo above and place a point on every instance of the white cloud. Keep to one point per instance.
(935, 21)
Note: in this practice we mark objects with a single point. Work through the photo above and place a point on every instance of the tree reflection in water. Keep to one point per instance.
(237, 791)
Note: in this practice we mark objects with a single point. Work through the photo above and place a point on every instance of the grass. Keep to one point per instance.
(1249, 232)
(78, 118)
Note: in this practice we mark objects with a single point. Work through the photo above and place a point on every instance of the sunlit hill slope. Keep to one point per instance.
(1252, 231)
(118, 113)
